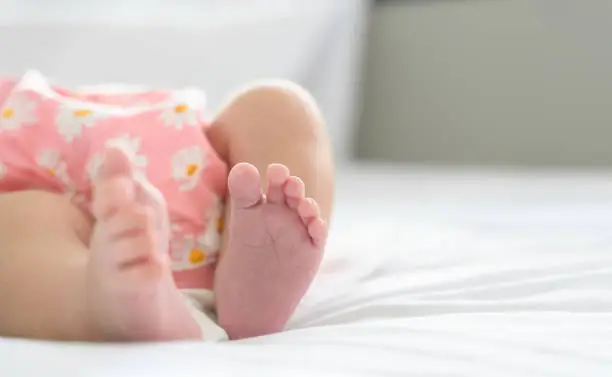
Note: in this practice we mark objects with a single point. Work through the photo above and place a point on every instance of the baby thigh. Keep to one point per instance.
(43, 260)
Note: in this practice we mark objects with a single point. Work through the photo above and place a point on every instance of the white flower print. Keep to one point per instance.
(180, 115)
(211, 237)
(187, 166)
(52, 162)
(71, 119)
(16, 112)
(93, 166)
(190, 251)
(130, 146)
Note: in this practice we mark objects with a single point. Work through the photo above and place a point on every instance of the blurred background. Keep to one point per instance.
(471, 82)
(496, 82)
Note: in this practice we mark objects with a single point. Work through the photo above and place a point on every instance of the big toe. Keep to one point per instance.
(244, 184)
(114, 185)
(115, 163)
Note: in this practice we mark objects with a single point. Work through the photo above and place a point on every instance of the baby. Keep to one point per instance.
(121, 212)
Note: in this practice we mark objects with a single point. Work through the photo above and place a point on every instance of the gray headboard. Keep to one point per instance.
(489, 82)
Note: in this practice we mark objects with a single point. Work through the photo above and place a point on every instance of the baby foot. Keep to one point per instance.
(273, 252)
(131, 292)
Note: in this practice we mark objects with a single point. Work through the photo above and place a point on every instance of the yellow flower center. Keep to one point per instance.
(52, 171)
(8, 113)
(197, 256)
(180, 108)
(220, 224)
(81, 113)
(191, 169)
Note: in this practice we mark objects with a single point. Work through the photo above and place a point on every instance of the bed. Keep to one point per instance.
(429, 272)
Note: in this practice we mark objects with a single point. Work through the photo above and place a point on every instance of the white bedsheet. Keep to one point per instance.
(428, 273)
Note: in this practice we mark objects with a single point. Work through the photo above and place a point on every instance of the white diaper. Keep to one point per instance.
(201, 304)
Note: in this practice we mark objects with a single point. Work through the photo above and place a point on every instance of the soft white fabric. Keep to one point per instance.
(216, 45)
(201, 304)
(428, 273)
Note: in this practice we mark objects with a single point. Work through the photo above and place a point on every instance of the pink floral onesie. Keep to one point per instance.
(54, 139)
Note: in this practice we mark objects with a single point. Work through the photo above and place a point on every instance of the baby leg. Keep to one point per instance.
(43, 265)
(273, 242)
(62, 278)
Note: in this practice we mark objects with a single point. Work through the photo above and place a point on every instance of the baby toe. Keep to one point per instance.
(136, 251)
(115, 163)
(110, 195)
(308, 209)
(130, 222)
(277, 175)
(294, 191)
(318, 231)
(130, 237)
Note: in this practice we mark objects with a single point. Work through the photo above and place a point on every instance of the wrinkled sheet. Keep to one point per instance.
(429, 272)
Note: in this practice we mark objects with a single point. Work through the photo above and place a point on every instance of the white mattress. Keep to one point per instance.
(428, 273)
